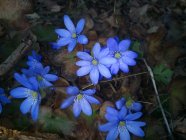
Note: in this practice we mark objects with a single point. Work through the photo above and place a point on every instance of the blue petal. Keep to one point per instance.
(124, 134)
(135, 130)
(67, 102)
(112, 44)
(0, 108)
(26, 105)
(34, 83)
(130, 54)
(120, 103)
(20, 92)
(111, 117)
(114, 68)
(50, 77)
(72, 45)
(63, 41)
(72, 90)
(104, 71)
(136, 123)
(122, 113)
(82, 39)
(107, 60)
(103, 53)
(134, 116)
(96, 50)
(91, 99)
(55, 45)
(113, 134)
(22, 80)
(84, 70)
(84, 56)
(44, 83)
(124, 45)
(129, 61)
(94, 75)
(2, 91)
(76, 109)
(35, 110)
(69, 24)
(63, 33)
(136, 107)
(123, 66)
(111, 110)
(108, 126)
(89, 91)
(80, 26)
(4, 99)
(85, 106)
(83, 63)
(46, 70)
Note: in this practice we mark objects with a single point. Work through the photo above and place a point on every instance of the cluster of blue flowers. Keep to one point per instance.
(33, 81)
(100, 62)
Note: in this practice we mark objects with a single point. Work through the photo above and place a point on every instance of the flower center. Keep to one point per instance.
(79, 96)
(117, 55)
(39, 78)
(34, 94)
(121, 123)
(74, 35)
(129, 103)
(94, 62)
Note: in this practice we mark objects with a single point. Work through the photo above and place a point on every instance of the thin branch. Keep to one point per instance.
(158, 98)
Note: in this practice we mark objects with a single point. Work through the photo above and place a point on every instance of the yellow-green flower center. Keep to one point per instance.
(74, 35)
(39, 78)
(129, 103)
(34, 94)
(121, 123)
(79, 96)
(117, 55)
(94, 62)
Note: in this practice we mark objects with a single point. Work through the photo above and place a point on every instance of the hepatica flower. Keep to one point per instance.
(30, 91)
(121, 53)
(122, 124)
(71, 36)
(81, 100)
(95, 64)
(3, 98)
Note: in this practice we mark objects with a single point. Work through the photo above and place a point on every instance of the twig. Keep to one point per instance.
(23, 47)
(158, 98)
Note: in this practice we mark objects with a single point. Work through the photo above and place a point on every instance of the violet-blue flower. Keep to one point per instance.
(30, 91)
(3, 98)
(121, 53)
(122, 124)
(81, 100)
(71, 36)
(95, 64)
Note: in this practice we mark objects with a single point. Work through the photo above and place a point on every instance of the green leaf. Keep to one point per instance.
(162, 74)
(136, 47)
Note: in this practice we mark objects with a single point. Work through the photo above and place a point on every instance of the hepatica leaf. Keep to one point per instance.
(162, 74)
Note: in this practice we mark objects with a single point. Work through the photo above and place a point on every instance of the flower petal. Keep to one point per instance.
(129, 61)
(91, 99)
(82, 39)
(123, 66)
(35, 110)
(122, 113)
(67, 102)
(134, 116)
(112, 44)
(124, 45)
(113, 134)
(107, 60)
(72, 90)
(130, 54)
(111, 110)
(50, 77)
(69, 24)
(76, 109)
(135, 130)
(72, 45)
(63, 32)
(63, 41)
(44, 83)
(89, 91)
(85, 106)
(120, 103)
(136, 123)
(106, 127)
(94, 75)
(34, 83)
(136, 107)
(104, 71)
(96, 50)
(124, 135)
(80, 26)
(114, 68)
(26, 105)
(1, 108)
(22, 80)
(84, 56)
(83, 63)
(84, 70)
(20, 92)
(111, 117)
(103, 53)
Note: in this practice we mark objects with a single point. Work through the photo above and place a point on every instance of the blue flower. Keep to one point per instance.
(96, 64)
(121, 53)
(30, 91)
(42, 75)
(81, 100)
(71, 36)
(120, 124)
(131, 105)
(3, 99)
